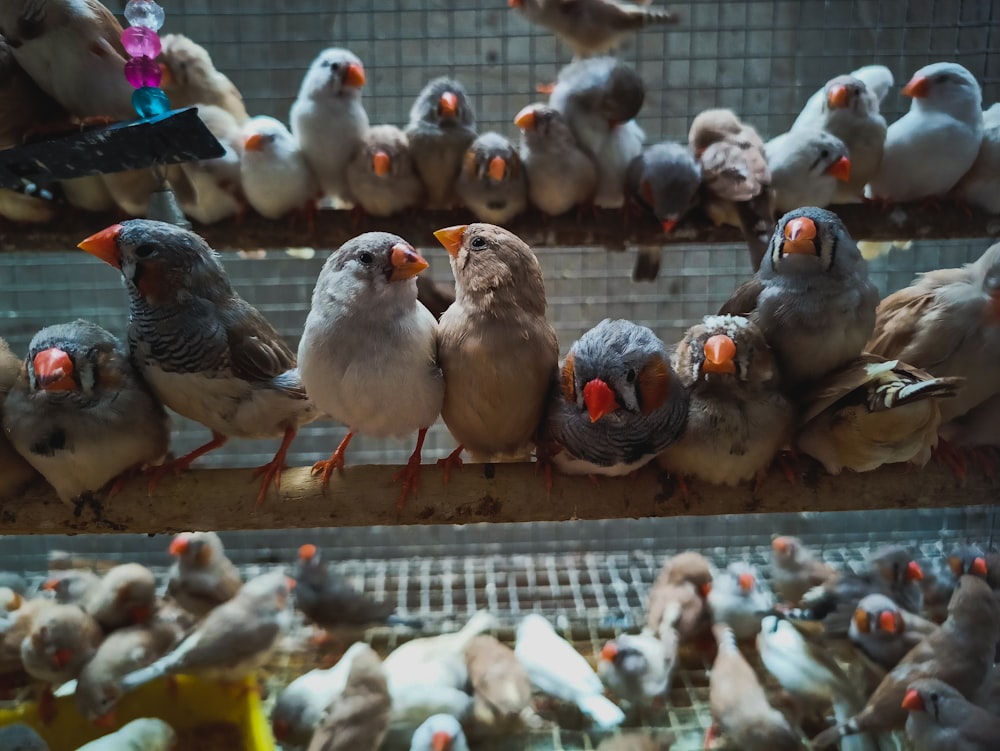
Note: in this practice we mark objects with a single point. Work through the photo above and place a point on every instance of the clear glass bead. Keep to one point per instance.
(145, 13)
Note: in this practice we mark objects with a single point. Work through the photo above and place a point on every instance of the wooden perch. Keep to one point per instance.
(224, 499)
(612, 229)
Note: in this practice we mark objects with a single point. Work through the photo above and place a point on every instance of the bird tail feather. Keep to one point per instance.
(602, 711)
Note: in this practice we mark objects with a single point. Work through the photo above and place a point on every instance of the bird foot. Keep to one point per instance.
(47, 709)
(178, 466)
(785, 460)
(948, 455)
(410, 474)
(119, 482)
(336, 461)
(711, 733)
(273, 469)
(453, 460)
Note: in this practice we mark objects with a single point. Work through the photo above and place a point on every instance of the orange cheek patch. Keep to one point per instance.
(567, 380)
(654, 384)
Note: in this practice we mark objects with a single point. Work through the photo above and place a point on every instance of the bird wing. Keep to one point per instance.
(743, 301)
(835, 387)
(257, 351)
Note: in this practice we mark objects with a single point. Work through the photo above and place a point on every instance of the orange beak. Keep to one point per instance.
(498, 168)
(609, 651)
(104, 245)
(166, 76)
(887, 622)
(978, 567)
(914, 572)
(381, 163)
(747, 581)
(840, 169)
(780, 545)
(253, 142)
(354, 75)
(719, 353)
(918, 87)
(799, 235)
(179, 545)
(54, 370)
(280, 729)
(50, 585)
(448, 104)
(861, 621)
(515, 3)
(451, 238)
(307, 552)
(290, 583)
(525, 119)
(838, 97)
(705, 589)
(106, 720)
(406, 262)
(912, 701)
(62, 657)
(599, 398)
(441, 741)
(668, 225)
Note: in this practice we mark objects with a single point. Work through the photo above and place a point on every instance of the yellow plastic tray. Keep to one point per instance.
(192, 702)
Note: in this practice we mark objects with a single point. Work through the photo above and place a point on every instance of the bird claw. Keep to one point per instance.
(326, 467)
(119, 482)
(784, 460)
(177, 466)
(272, 473)
(410, 475)
(47, 709)
(453, 460)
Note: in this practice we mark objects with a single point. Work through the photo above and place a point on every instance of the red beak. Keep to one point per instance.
(54, 370)
(104, 245)
(912, 701)
(914, 572)
(599, 398)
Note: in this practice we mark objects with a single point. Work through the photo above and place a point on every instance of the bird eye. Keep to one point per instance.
(334, 66)
(630, 376)
(366, 258)
(478, 243)
(824, 154)
(144, 251)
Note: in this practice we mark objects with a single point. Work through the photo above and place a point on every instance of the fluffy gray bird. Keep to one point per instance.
(618, 403)
(80, 413)
(930, 148)
(442, 127)
(941, 719)
(21, 737)
(125, 595)
(71, 587)
(600, 97)
(878, 79)
(664, 180)
(811, 297)
(738, 417)
(202, 577)
(328, 119)
(592, 26)
(880, 629)
(980, 186)
(739, 599)
(232, 641)
(807, 166)
(381, 177)
(440, 732)
(493, 183)
(275, 175)
(358, 719)
(207, 353)
(560, 174)
(61, 640)
(639, 668)
(500, 685)
(795, 569)
(365, 337)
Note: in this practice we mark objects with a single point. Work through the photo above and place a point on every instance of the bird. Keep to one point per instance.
(812, 297)
(493, 183)
(808, 165)
(560, 174)
(639, 668)
(125, 595)
(735, 177)
(61, 639)
(202, 577)
(740, 709)
(795, 569)
(17, 471)
(557, 669)
(959, 653)
(366, 294)
(941, 719)
(146, 733)
(948, 323)
(618, 404)
(738, 415)
(878, 79)
(303, 702)
(441, 128)
(440, 732)
(939, 582)
(497, 351)
(273, 158)
(872, 412)
(593, 26)
(80, 413)
(930, 148)
(217, 187)
(382, 178)
(21, 737)
(358, 719)
(678, 598)
(24, 107)
(207, 353)
(328, 119)
(233, 639)
(979, 186)
(599, 97)
(71, 587)
(501, 687)
(190, 79)
(739, 598)
(849, 110)
(883, 631)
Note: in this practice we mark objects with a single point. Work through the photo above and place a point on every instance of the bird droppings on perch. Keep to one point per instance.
(365, 495)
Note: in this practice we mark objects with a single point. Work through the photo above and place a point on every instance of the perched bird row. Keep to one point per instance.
(797, 357)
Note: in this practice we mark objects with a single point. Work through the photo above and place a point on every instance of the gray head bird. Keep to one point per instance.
(207, 353)
(442, 126)
(80, 413)
(21, 737)
(807, 165)
(639, 668)
(618, 402)
(941, 719)
(381, 176)
(560, 174)
(879, 629)
(592, 26)
(493, 183)
(440, 732)
(739, 598)
(811, 297)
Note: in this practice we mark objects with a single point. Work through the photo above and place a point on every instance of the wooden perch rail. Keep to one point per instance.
(224, 499)
(612, 229)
